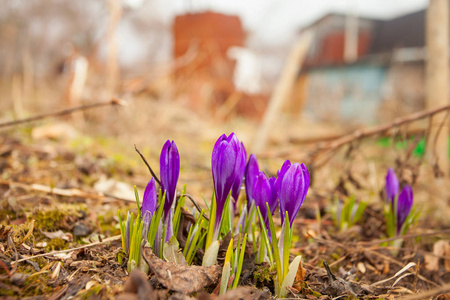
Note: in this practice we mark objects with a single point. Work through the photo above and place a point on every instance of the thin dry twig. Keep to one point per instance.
(58, 191)
(363, 133)
(406, 236)
(107, 240)
(429, 294)
(147, 164)
(113, 101)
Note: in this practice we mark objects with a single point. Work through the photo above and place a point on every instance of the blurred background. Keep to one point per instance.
(280, 74)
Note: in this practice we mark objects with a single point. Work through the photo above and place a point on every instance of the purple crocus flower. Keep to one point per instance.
(148, 206)
(251, 172)
(263, 192)
(225, 165)
(293, 188)
(404, 204)
(239, 173)
(170, 171)
(392, 186)
(280, 174)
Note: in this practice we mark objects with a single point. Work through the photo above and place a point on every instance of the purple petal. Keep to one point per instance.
(273, 204)
(170, 171)
(280, 174)
(239, 172)
(262, 194)
(251, 172)
(392, 186)
(404, 204)
(149, 201)
(294, 187)
(223, 165)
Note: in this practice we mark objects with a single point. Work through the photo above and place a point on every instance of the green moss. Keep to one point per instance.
(7, 292)
(94, 290)
(48, 220)
(37, 285)
(264, 275)
(56, 244)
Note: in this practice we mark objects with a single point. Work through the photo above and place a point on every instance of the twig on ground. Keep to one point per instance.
(429, 294)
(363, 133)
(58, 191)
(107, 240)
(406, 236)
(64, 112)
(148, 165)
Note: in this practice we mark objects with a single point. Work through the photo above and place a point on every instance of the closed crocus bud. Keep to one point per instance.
(392, 186)
(148, 206)
(263, 193)
(280, 174)
(293, 188)
(404, 204)
(224, 163)
(274, 203)
(239, 172)
(251, 172)
(170, 171)
(149, 201)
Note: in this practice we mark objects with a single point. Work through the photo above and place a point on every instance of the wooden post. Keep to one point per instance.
(282, 89)
(437, 79)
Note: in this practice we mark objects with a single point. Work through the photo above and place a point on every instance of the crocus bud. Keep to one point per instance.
(274, 203)
(251, 172)
(293, 188)
(241, 159)
(148, 206)
(392, 186)
(404, 204)
(263, 193)
(170, 171)
(224, 164)
(149, 200)
(280, 174)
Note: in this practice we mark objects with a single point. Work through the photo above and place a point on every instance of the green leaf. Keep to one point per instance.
(276, 252)
(240, 263)
(122, 231)
(229, 254)
(288, 281)
(210, 257)
(226, 272)
(154, 224)
(265, 238)
(136, 195)
(286, 245)
(212, 222)
(172, 253)
(177, 214)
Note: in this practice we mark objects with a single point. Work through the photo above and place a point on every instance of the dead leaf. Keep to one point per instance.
(440, 248)
(183, 279)
(299, 277)
(58, 234)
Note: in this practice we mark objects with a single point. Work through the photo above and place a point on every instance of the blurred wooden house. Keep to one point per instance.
(363, 70)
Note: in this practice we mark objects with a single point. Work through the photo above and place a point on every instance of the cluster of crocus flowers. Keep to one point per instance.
(152, 223)
(288, 191)
(398, 205)
(228, 167)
